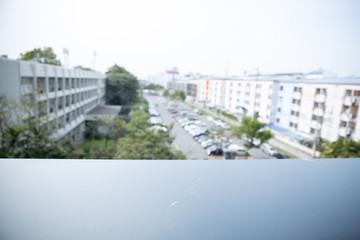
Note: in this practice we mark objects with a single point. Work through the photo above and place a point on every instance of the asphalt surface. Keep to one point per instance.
(183, 141)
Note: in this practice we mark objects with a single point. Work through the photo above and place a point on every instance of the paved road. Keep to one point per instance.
(183, 140)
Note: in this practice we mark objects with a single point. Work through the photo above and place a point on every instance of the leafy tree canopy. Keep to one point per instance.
(152, 86)
(28, 138)
(121, 86)
(178, 95)
(83, 68)
(45, 55)
(116, 69)
(252, 129)
(132, 141)
(166, 93)
(342, 148)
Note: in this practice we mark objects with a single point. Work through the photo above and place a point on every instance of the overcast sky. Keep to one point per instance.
(149, 36)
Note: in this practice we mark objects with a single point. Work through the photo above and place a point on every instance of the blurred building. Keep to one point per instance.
(313, 104)
(62, 96)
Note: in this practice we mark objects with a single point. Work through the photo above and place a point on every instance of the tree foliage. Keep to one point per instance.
(134, 140)
(121, 86)
(152, 86)
(178, 95)
(252, 130)
(342, 148)
(83, 68)
(45, 55)
(24, 136)
(143, 143)
(166, 93)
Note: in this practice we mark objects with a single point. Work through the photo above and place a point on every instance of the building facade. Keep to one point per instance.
(311, 105)
(62, 96)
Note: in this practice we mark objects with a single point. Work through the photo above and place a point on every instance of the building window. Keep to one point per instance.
(279, 109)
(291, 124)
(343, 124)
(281, 88)
(278, 120)
(312, 130)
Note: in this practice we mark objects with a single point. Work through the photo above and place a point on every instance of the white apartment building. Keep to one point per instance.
(306, 104)
(323, 107)
(63, 96)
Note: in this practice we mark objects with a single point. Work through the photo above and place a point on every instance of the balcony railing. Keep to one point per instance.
(320, 98)
(297, 95)
(345, 131)
(347, 101)
(295, 107)
(318, 112)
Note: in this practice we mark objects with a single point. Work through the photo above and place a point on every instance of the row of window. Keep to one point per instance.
(64, 101)
(62, 83)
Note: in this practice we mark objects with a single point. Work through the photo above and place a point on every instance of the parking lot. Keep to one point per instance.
(205, 127)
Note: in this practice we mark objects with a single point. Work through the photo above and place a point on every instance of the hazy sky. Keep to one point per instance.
(149, 36)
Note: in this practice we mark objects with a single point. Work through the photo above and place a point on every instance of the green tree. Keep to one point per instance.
(116, 69)
(121, 86)
(178, 95)
(166, 93)
(83, 68)
(342, 148)
(45, 55)
(144, 143)
(152, 86)
(252, 130)
(139, 120)
(22, 135)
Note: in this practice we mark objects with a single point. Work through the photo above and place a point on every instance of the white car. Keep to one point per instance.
(158, 128)
(205, 143)
(190, 127)
(268, 149)
(237, 149)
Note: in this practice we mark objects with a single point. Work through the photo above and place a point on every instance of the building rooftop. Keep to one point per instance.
(342, 81)
(106, 110)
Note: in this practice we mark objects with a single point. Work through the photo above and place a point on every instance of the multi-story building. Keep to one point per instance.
(62, 96)
(309, 104)
(324, 107)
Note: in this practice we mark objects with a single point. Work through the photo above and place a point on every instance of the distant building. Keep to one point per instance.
(63, 95)
(165, 79)
(313, 104)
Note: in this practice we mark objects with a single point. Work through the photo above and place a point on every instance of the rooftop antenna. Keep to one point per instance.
(66, 57)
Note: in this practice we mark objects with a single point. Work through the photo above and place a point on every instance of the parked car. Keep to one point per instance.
(281, 155)
(158, 128)
(207, 143)
(214, 149)
(198, 111)
(201, 138)
(240, 151)
(266, 148)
